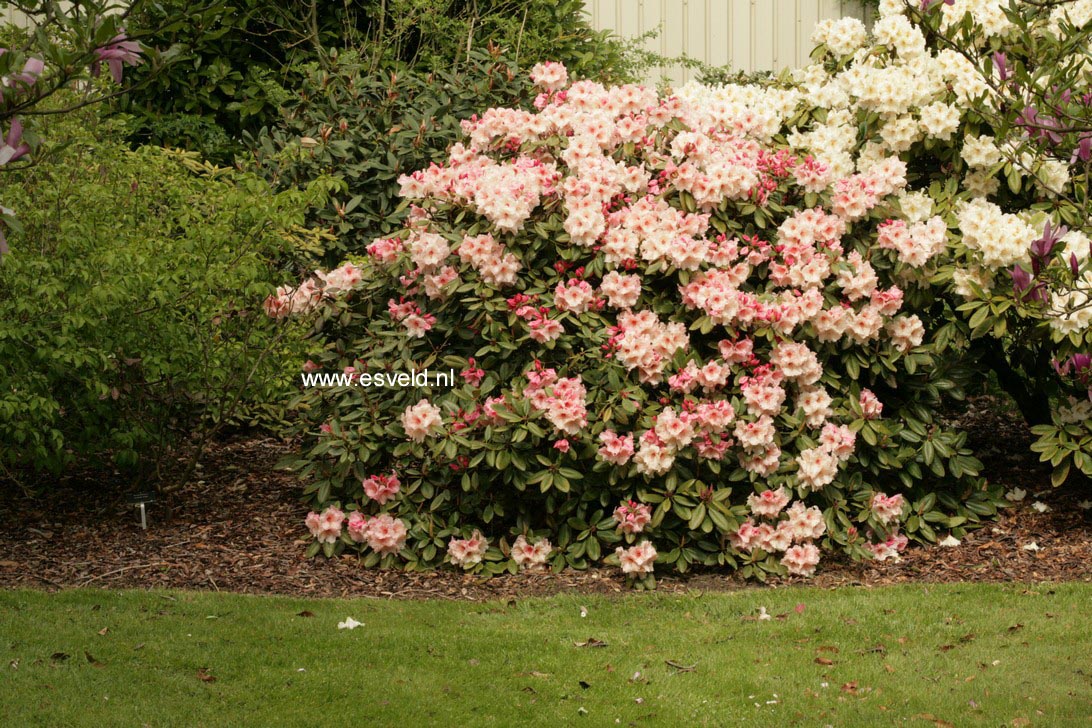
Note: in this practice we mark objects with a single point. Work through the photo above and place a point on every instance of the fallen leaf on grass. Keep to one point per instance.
(828, 648)
(945, 648)
(305, 613)
(591, 642)
(92, 660)
(850, 688)
(584, 685)
(1020, 722)
(104, 631)
(823, 661)
(680, 667)
(934, 720)
(880, 649)
(800, 608)
(59, 656)
(1016, 627)
(204, 676)
(968, 638)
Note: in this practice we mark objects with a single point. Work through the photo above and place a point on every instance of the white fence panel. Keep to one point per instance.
(748, 35)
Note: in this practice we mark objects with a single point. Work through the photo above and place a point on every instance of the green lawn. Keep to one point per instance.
(913, 655)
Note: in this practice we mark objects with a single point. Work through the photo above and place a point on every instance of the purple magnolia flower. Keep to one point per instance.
(1039, 126)
(117, 53)
(1074, 265)
(32, 69)
(1044, 246)
(13, 147)
(1021, 279)
(1083, 150)
(1079, 365)
(1002, 64)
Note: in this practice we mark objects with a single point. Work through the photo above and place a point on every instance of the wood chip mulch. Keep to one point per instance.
(240, 529)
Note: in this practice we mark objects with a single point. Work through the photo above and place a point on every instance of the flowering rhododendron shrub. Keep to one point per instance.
(679, 338)
(990, 104)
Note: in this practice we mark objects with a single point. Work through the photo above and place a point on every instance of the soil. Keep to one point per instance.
(240, 528)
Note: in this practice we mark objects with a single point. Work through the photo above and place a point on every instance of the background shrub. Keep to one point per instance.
(368, 129)
(238, 63)
(130, 303)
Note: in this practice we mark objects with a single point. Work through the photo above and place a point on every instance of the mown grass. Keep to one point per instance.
(908, 655)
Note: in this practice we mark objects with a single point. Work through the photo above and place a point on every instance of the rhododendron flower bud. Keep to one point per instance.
(561, 445)
(421, 420)
(326, 527)
(467, 552)
(632, 516)
(639, 559)
(386, 534)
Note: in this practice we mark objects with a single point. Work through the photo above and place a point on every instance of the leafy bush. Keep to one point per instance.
(237, 63)
(663, 324)
(129, 304)
(369, 129)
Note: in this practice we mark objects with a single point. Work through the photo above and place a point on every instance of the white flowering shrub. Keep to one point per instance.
(678, 340)
(989, 103)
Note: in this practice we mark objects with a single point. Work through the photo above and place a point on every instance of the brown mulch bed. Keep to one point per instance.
(239, 529)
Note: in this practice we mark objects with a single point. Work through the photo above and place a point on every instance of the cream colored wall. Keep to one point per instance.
(749, 35)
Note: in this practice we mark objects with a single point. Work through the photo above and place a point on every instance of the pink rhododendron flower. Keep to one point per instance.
(616, 449)
(531, 555)
(886, 509)
(421, 420)
(801, 560)
(466, 552)
(639, 559)
(871, 406)
(621, 291)
(326, 527)
(561, 445)
(574, 296)
(550, 75)
(381, 488)
(769, 502)
(386, 534)
(806, 523)
(339, 280)
(357, 527)
(889, 549)
(632, 516)
(472, 374)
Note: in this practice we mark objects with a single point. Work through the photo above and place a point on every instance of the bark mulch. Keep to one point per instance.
(239, 529)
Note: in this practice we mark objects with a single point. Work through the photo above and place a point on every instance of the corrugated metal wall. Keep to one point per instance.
(748, 35)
